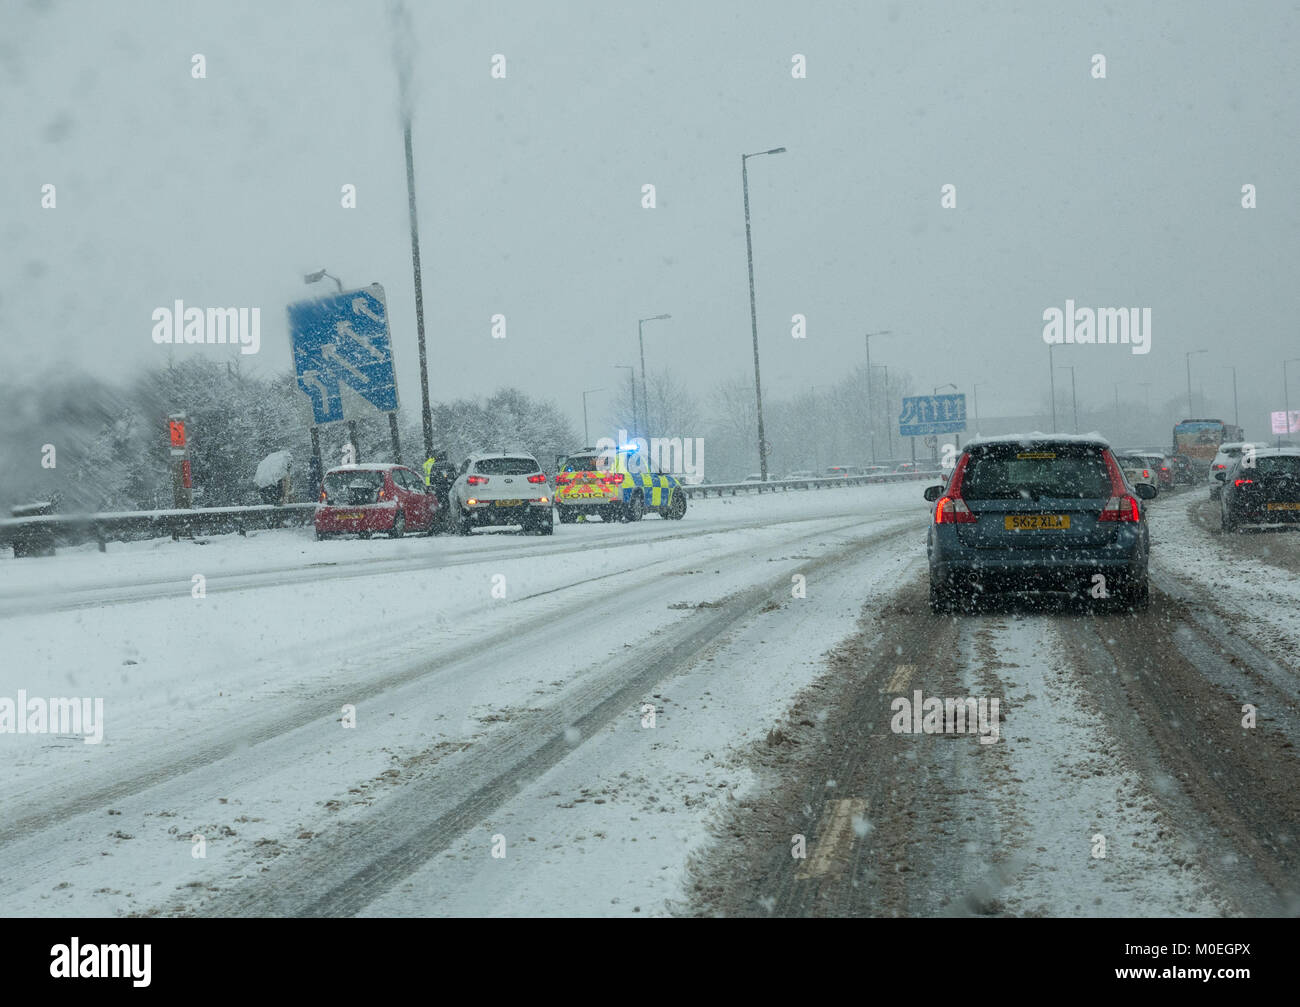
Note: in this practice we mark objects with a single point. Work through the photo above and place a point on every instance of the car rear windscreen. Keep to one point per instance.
(583, 463)
(1278, 465)
(336, 483)
(1067, 472)
(506, 466)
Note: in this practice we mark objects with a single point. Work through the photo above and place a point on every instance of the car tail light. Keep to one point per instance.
(1241, 482)
(543, 500)
(539, 478)
(323, 497)
(951, 508)
(613, 478)
(1120, 506)
(1146, 474)
(477, 480)
(471, 501)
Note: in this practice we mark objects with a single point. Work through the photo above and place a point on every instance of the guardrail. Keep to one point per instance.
(821, 482)
(37, 536)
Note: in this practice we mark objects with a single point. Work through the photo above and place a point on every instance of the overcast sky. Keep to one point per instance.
(223, 191)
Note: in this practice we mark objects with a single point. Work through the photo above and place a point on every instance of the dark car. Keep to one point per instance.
(1184, 474)
(1261, 489)
(1038, 512)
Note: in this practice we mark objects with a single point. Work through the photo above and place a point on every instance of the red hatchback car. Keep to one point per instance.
(364, 499)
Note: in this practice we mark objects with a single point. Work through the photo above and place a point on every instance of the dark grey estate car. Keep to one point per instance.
(1038, 512)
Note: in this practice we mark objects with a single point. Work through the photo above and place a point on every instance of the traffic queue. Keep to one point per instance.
(494, 488)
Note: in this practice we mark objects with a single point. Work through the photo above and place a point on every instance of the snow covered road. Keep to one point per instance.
(642, 720)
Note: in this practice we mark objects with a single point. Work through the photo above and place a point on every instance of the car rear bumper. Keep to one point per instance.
(1038, 569)
(486, 512)
(332, 520)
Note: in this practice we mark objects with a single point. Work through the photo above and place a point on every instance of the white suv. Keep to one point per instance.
(502, 488)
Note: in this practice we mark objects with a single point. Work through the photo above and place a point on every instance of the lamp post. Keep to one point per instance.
(631, 380)
(1074, 402)
(1236, 418)
(1188, 358)
(975, 391)
(645, 389)
(1286, 398)
(1051, 377)
(753, 310)
(889, 423)
(871, 416)
(586, 434)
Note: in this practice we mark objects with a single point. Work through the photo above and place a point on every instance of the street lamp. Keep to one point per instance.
(631, 380)
(645, 389)
(975, 391)
(1236, 419)
(753, 310)
(586, 434)
(319, 275)
(889, 423)
(1074, 404)
(871, 416)
(1052, 381)
(1188, 357)
(1286, 398)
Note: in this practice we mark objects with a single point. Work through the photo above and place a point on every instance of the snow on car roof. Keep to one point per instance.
(367, 467)
(1038, 437)
(501, 454)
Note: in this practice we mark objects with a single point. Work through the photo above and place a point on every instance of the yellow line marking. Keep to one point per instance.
(902, 675)
(834, 838)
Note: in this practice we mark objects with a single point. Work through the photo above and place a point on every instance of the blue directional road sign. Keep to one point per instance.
(343, 354)
(932, 414)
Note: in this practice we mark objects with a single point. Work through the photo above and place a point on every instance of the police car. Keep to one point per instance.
(614, 485)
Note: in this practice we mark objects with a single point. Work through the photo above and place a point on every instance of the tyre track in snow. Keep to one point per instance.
(318, 569)
(1126, 724)
(352, 864)
(229, 739)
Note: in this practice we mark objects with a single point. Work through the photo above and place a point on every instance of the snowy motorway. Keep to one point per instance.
(645, 720)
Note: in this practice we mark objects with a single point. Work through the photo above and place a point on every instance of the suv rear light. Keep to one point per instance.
(1120, 506)
(1146, 474)
(1242, 482)
(951, 508)
(540, 477)
(613, 478)
(477, 480)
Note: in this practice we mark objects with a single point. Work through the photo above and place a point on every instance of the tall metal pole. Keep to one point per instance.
(426, 415)
(631, 380)
(1051, 366)
(1074, 400)
(645, 389)
(871, 416)
(1236, 417)
(586, 433)
(1286, 404)
(753, 309)
(889, 423)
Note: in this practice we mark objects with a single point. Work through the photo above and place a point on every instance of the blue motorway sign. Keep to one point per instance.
(932, 414)
(343, 354)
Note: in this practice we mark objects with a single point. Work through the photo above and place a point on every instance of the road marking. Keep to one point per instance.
(834, 838)
(902, 675)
